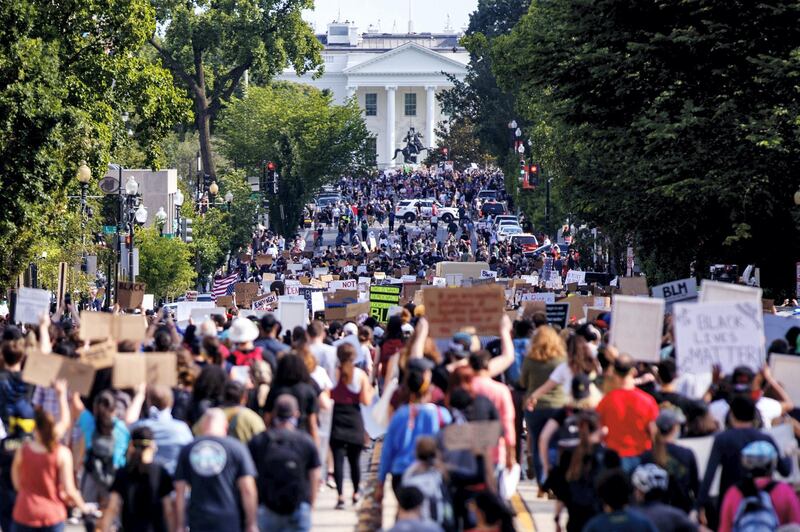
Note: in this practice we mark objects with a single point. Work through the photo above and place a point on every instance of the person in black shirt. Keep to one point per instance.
(140, 492)
(292, 377)
(667, 373)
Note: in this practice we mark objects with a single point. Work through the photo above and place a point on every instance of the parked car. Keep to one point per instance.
(407, 210)
(526, 241)
(487, 193)
(497, 220)
(493, 208)
(507, 230)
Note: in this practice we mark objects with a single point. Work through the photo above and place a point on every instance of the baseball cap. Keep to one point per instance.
(668, 418)
(420, 364)
(286, 407)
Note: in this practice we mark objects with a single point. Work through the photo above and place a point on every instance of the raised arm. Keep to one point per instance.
(498, 365)
(417, 347)
(64, 415)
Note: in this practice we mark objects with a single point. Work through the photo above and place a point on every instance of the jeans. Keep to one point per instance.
(16, 527)
(299, 521)
(535, 421)
(629, 463)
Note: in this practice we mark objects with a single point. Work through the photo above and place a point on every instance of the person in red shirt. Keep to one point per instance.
(629, 415)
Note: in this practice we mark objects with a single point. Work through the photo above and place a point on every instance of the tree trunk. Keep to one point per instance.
(202, 118)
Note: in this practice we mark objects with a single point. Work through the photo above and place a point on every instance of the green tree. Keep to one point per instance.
(68, 71)
(164, 263)
(209, 46)
(675, 125)
(462, 144)
(299, 128)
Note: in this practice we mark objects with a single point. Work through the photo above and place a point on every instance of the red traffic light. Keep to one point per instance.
(534, 168)
(444, 150)
(270, 166)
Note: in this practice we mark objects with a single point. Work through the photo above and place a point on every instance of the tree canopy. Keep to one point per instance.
(165, 263)
(673, 126)
(68, 72)
(209, 46)
(310, 139)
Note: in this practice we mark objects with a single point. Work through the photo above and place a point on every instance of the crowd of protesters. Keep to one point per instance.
(263, 418)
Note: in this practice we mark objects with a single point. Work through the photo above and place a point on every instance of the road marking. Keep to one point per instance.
(523, 517)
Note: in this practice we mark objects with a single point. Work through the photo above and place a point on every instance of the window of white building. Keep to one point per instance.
(411, 104)
(371, 104)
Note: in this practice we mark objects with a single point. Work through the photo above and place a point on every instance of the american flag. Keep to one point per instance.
(224, 285)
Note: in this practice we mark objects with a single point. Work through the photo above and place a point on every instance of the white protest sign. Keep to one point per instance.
(439, 281)
(183, 309)
(408, 279)
(454, 279)
(547, 297)
(726, 334)
(701, 447)
(31, 303)
(346, 284)
(320, 271)
(292, 312)
(716, 292)
(786, 369)
(347, 268)
(574, 276)
(200, 315)
(488, 274)
(148, 301)
(317, 302)
(636, 326)
(531, 279)
(683, 290)
(294, 267)
(361, 269)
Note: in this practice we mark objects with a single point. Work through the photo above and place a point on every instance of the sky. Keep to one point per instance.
(427, 16)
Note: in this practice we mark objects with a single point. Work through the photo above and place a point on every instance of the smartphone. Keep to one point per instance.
(67, 299)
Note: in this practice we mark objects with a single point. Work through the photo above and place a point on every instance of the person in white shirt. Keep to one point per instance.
(745, 381)
(324, 353)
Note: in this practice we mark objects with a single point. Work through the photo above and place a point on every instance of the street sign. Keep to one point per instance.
(109, 185)
(109, 229)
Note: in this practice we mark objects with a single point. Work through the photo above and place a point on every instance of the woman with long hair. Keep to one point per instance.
(347, 429)
(292, 377)
(42, 470)
(579, 360)
(141, 491)
(207, 391)
(546, 352)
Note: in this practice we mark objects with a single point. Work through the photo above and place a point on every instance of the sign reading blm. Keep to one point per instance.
(381, 298)
(726, 334)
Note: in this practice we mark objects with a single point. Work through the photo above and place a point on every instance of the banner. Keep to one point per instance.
(450, 309)
(727, 334)
(381, 297)
(637, 326)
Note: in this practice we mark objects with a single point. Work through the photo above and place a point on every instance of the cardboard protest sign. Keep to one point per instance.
(245, 293)
(381, 297)
(263, 260)
(594, 313)
(577, 306)
(637, 326)
(244, 258)
(465, 269)
(474, 436)
(716, 292)
(728, 334)
(119, 327)
(226, 302)
(454, 279)
(682, 290)
(42, 369)
(133, 369)
(786, 369)
(100, 355)
(30, 304)
(449, 309)
(130, 295)
(557, 314)
(633, 286)
(547, 297)
(377, 275)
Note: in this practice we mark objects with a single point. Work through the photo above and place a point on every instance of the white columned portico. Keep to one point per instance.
(390, 119)
(429, 115)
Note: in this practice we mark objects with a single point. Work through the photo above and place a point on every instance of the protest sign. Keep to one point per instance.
(439, 281)
(293, 267)
(292, 312)
(488, 274)
(42, 369)
(633, 286)
(547, 297)
(378, 275)
(636, 326)
(683, 290)
(347, 284)
(119, 327)
(183, 309)
(381, 297)
(100, 355)
(594, 313)
(199, 315)
(264, 302)
(319, 272)
(263, 260)
(466, 269)
(132, 369)
(786, 369)
(454, 279)
(361, 269)
(474, 436)
(701, 447)
(31, 304)
(408, 278)
(61, 289)
(577, 306)
(245, 293)
(130, 295)
(577, 277)
(717, 292)
(306, 293)
(557, 314)
(148, 301)
(449, 309)
(225, 302)
(727, 334)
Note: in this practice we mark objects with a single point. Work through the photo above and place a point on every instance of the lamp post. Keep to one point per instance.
(161, 219)
(228, 199)
(178, 202)
(135, 213)
(84, 176)
(213, 190)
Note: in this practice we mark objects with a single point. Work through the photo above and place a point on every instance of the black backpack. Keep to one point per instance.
(100, 459)
(282, 474)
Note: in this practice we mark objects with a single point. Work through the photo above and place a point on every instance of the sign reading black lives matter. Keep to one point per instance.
(729, 334)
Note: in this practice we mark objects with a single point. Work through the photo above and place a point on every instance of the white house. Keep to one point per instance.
(394, 77)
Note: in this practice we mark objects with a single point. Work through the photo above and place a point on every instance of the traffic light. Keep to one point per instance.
(270, 178)
(533, 175)
(186, 229)
(275, 179)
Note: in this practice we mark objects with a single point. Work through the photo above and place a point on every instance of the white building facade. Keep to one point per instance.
(394, 78)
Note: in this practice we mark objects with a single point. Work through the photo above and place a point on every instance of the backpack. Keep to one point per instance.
(281, 474)
(437, 506)
(100, 459)
(756, 513)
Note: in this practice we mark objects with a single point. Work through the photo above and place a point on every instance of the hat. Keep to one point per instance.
(420, 364)
(457, 350)
(407, 328)
(463, 339)
(350, 328)
(742, 378)
(242, 330)
(668, 418)
(286, 407)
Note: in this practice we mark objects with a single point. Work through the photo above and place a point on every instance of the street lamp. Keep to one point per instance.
(84, 176)
(178, 201)
(213, 188)
(512, 124)
(131, 186)
(518, 133)
(140, 215)
(161, 218)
